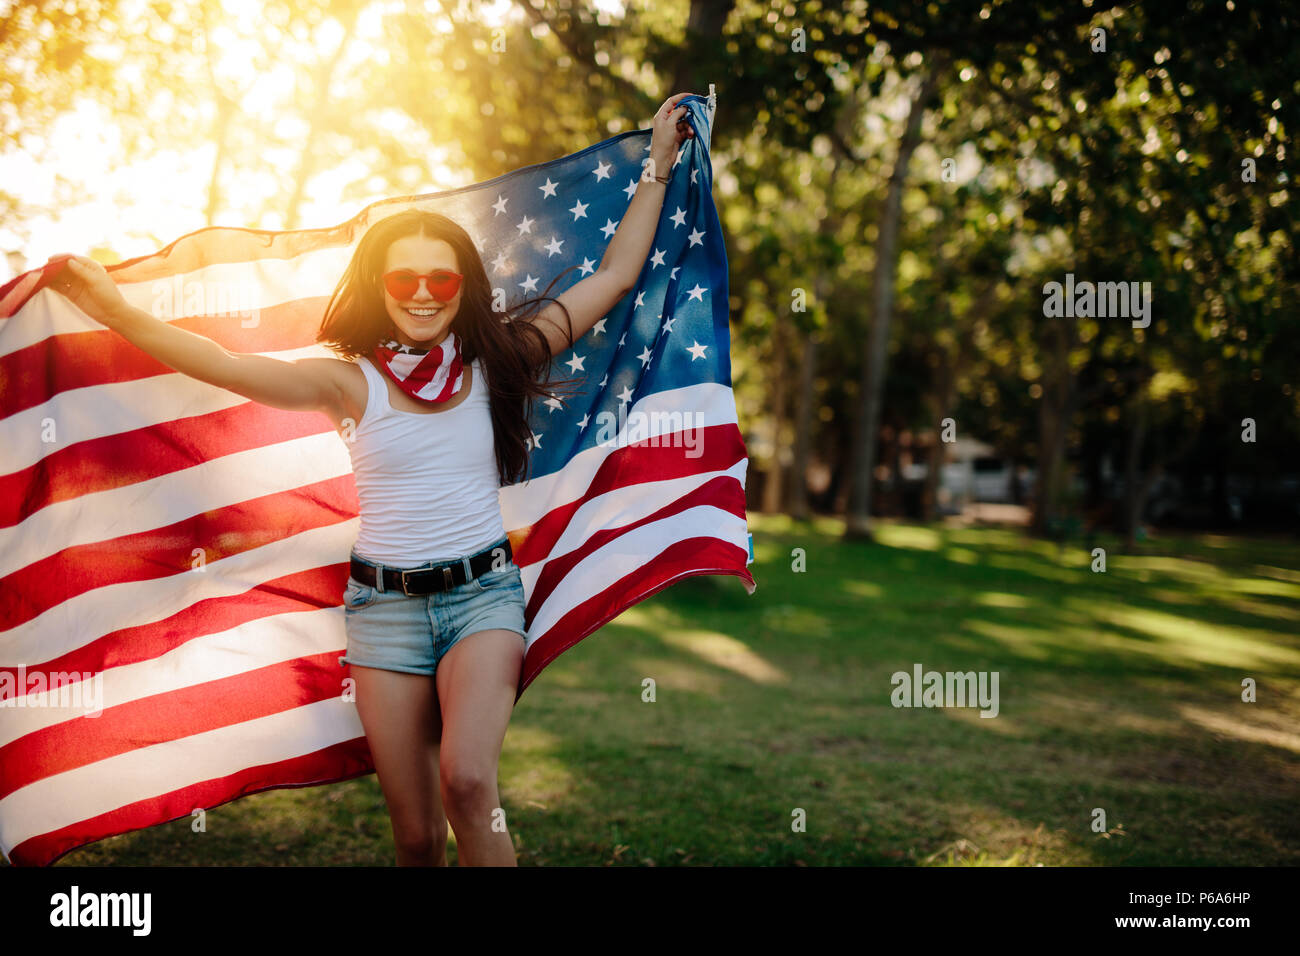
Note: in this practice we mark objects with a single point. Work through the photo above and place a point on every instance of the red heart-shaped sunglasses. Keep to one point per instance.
(403, 283)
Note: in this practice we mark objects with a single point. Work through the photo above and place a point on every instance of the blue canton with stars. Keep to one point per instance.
(669, 332)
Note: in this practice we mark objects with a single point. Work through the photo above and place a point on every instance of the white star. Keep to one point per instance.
(696, 237)
(583, 424)
(529, 284)
(554, 403)
(603, 381)
(645, 356)
(499, 262)
(599, 326)
(697, 293)
(500, 204)
(679, 217)
(575, 363)
(602, 171)
(668, 324)
(696, 350)
(640, 300)
(693, 172)
(535, 441)
(588, 266)
(621, 339)
(525, 225)
(609, 228)
(625, 395)
(657, 259)
(631, 188)
(673, 275)
(548, 187)
(553, 247)
(579, 210)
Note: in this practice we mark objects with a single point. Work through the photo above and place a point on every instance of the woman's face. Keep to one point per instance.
(422, 321)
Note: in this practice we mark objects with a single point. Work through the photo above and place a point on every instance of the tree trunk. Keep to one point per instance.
(779, 367)
(1134, 479)
(876, 343)
(1054, 416)
(803, 426)
(945, 387)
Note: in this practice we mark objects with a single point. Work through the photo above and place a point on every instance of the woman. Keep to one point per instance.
(435, 654)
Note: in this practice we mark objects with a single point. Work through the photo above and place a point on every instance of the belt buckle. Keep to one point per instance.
(401, 577)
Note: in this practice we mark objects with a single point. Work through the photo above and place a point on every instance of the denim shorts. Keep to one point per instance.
(396, 632)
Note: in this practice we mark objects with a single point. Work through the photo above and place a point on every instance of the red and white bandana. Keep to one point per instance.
(431, 376)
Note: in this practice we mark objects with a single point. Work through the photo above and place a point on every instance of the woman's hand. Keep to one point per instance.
(671, 129)
(85, 283)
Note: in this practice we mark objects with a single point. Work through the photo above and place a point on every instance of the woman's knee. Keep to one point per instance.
(468, 785)
(420, 839)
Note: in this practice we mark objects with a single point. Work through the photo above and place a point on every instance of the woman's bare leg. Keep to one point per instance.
(402, 721)
(477, 680)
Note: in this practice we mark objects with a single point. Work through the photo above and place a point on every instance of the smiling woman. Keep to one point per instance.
(433, 390)
(365, 318)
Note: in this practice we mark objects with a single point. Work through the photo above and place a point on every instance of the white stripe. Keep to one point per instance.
(84, 792)
(623, 506)
(88, 616)
(258, 643)
(80, 414)
(158, 502)
(628, 553)
(525, 503)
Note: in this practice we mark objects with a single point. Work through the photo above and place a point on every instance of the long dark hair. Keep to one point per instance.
(513, 349)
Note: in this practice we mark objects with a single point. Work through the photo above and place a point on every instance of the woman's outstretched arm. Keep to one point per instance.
(304, 385)
(594, 296)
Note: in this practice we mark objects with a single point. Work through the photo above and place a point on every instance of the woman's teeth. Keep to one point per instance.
(423, 313)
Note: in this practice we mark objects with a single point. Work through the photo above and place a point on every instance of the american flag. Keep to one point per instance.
(173, 556)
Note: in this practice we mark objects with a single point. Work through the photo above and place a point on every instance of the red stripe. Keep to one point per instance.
(162, 552)
(723, 491)
(33, 375)
(337, 762)
(307, 590)
(722, 447)
(690, 556)
(126, 458)
(171, 715)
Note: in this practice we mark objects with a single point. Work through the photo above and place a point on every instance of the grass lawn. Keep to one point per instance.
(1118, 690)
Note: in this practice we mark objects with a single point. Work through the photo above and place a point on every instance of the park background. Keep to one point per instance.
(935, 459)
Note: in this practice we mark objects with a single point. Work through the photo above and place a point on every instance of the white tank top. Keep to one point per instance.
(427, 484)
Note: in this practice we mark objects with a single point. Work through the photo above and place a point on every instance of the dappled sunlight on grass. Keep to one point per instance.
(912, 537)
(998, 599)
(864, 589)
(679, 675)
(1001, 724)
(1183, 638)
(534, 770)
(727, 653)
(1221, 723)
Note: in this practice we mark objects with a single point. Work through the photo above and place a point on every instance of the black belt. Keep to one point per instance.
(425, 580)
